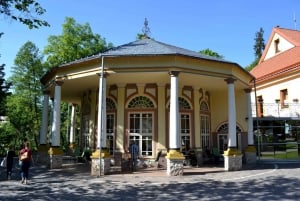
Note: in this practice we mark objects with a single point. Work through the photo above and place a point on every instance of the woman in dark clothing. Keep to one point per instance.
(10, 161)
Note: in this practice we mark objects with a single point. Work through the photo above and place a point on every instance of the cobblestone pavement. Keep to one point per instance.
(261, 182)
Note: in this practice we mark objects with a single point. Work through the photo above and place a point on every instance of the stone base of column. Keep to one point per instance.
(56, 157)
(233, 159)
(42, 155)
(175, 161)
(103, 163)
(250, 154)
(118, 158)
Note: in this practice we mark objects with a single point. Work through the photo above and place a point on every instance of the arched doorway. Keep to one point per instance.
(222, 137)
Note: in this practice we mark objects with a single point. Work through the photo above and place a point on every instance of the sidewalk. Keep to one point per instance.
(74, 182)
(81, 170)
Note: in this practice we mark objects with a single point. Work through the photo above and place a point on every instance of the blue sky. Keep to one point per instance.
(227, 27)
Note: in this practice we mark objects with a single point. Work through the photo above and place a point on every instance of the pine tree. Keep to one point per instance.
(258, 47)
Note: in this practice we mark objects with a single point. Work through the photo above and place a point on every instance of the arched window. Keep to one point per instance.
(110, 124)
(223, 137)
(110, 104)
(140, 124)
(183, 104)
(185, 124)
(140, 102)
(224, 128)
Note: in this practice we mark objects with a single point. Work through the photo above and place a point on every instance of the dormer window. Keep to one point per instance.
(276, 45)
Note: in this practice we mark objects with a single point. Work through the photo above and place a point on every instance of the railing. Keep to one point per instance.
(279, 151)
(276, 110)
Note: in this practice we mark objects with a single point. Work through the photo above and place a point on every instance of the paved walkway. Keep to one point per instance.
(261, 182)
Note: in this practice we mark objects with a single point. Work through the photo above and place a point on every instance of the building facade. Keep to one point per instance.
(277, 91)
(163, 97)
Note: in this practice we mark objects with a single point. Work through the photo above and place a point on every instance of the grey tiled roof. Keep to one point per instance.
(147, 47)
(151, 47)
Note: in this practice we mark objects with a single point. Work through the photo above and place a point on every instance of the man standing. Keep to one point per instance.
(134, 150)
(10, 158)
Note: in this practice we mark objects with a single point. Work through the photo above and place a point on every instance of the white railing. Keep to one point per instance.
(276, 110)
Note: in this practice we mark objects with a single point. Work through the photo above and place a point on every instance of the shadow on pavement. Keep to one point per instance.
(75, 183)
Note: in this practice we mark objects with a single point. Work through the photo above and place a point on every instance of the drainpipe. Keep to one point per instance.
(257, 124)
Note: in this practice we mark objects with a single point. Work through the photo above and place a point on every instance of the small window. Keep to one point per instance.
(260, 106)
(284, 98)
(276, 45)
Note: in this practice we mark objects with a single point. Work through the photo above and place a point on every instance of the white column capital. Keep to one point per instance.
(174, 73)
(230, 80)
(58, 82)
(105, 75)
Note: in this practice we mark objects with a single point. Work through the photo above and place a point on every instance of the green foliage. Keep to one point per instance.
(252, 65)
(8, 136)
(24, 105)
(259, 45)
(211, 53)
(4, 90)
(140, 36)
(24, 11)
(76, 41)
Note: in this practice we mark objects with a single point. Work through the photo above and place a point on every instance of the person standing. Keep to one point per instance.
(10, 161)
(134, 150)
(25, 156)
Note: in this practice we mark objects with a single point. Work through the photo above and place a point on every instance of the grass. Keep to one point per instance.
(289, 154)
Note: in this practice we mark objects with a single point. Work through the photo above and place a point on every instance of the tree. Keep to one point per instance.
(75, 42)
(24, 105)
(4, 90)
(258, 47)
(24, 11)
(27, 13)
(211, 53)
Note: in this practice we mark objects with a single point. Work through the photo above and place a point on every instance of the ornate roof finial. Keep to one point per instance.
(146, 29)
